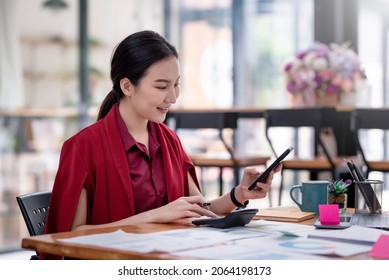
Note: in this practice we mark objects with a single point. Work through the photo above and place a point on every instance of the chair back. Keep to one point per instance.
(208, 120)
(375, 118)
(302, 117)
(309, 117)
(369, 119)
(216, 120)
(295, 118)
(34, 208)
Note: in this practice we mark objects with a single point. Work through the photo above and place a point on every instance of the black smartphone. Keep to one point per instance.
(263, 176)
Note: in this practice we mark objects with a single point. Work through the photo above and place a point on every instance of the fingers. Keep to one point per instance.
(278, 168)
(185, 221)
(261, 188)
(195, 210)
(196, 199)
(269, 178)
(251, 171)
(192, 206)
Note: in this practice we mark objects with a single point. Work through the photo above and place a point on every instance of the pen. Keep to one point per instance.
(206, 204)
(352, 171)
(358, 172)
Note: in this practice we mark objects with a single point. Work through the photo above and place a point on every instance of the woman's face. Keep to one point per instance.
(157, 90)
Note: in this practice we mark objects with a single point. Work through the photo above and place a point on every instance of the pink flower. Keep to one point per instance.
(331, 89)
(288, 66)
(300, 55)
(332, 69)
(346, 85)
(327, 74)
(292, 88)
(337, 80)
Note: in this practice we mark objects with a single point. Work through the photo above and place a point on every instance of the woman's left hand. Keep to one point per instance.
(242, 193)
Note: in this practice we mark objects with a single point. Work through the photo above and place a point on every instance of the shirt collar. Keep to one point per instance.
(128, 140)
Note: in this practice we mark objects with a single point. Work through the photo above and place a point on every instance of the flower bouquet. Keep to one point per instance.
(323, 71)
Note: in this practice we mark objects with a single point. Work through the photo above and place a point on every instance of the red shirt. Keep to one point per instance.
(145, 168)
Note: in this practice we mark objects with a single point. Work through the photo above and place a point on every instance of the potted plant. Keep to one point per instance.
(337, 193)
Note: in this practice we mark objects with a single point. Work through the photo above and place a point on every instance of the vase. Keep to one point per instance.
(309, 99)
(304, 99)
(324, 101)
(296, 100)
(340, 199)
(348, 99)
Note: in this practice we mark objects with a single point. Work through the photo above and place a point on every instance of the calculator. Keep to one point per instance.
(236, 218)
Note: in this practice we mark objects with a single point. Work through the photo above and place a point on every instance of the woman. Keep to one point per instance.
(129, 167)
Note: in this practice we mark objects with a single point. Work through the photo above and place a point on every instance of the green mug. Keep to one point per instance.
(313, 193)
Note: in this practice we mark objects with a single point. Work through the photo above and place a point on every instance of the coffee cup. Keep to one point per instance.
(313, 193)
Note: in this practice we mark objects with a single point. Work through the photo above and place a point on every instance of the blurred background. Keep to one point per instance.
(55, 62)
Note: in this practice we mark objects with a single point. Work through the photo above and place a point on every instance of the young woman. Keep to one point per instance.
(129, 167)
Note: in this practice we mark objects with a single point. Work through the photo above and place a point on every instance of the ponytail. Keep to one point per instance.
(108, 102)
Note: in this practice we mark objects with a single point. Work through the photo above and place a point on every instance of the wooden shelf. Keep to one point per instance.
(46, 113)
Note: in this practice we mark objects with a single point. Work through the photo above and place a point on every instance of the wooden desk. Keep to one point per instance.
(49, 244)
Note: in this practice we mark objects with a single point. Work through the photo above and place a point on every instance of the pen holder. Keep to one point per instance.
(368, 196)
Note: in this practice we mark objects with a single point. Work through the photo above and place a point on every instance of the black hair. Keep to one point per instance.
(131, 59)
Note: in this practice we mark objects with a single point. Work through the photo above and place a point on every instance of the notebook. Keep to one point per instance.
(283, 215)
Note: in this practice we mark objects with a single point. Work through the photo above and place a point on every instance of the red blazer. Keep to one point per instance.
(95, 159)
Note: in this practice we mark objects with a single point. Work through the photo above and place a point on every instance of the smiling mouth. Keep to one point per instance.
(163, 109)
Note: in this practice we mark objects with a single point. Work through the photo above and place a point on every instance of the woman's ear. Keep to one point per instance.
(126, 87)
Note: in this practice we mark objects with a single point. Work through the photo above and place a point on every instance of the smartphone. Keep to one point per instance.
(263, 176)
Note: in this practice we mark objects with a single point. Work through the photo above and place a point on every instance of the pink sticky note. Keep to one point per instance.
(329, 214)
(380, 248)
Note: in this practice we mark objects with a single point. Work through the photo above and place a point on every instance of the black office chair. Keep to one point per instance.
(34, 208)
(320, 159)
(364, 120)
(219, 121)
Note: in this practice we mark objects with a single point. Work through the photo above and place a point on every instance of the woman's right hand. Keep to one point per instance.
(181, 209)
